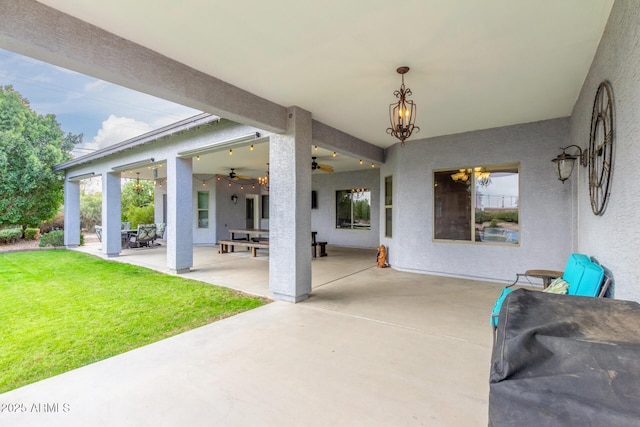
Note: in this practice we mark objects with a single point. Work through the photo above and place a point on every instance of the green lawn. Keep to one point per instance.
(60, 310)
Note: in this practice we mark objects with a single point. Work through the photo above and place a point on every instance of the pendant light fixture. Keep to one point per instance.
(402, 114)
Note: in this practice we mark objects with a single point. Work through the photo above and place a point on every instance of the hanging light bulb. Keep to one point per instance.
(230, 152)
(251, 148)
(334, 154)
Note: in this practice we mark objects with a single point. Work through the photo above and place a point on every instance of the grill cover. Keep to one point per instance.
(562, 360)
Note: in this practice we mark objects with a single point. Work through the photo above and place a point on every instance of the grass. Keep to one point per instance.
(60, 310)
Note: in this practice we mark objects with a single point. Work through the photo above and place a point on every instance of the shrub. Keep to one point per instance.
(52, 238)
(90, 211)
(140, 215)
(508, 216)
(483, 216)
(10, 235)
(494, 223)
(31, 233)
(57, 223)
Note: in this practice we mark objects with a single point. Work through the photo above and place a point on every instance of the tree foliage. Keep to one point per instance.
(30, 145)
(132, 198)
(90, 211)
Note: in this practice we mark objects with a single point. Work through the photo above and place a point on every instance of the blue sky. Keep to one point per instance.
(104, 113)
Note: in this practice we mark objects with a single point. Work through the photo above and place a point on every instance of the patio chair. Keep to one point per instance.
(161, 227)
(125, 226)
(144, 237)
(98, 229)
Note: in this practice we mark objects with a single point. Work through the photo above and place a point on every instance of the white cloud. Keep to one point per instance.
(117, 129)
(114, 130)
(96, 85)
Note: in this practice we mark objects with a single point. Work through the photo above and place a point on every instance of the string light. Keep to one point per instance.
(315, 148)
(361, 162)
(334, 154)
(230, 152)
(372, 166)
(197, 157)
(251, 148)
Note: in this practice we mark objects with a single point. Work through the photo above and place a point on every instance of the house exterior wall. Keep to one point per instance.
(545, 203)
(613, 237)
(323, 218)
(229, 215)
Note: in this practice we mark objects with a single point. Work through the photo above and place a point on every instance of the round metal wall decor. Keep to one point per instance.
(601, 148)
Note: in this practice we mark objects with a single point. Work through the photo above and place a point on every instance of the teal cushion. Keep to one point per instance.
(584, 276)
(498, 305)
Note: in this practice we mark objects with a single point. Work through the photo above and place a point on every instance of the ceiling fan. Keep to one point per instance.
(234, 176)
(315, 165)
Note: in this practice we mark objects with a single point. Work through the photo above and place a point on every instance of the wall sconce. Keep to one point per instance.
(234, 199)
(565, 162)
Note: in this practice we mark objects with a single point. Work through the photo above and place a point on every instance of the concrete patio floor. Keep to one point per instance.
(370, 347)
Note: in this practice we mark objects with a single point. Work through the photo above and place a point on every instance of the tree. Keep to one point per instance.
(30, 145)
(90, 210)
(132, 198)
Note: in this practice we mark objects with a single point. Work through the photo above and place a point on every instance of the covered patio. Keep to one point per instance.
(369, 347)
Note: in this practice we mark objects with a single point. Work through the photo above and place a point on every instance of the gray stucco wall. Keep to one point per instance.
(323, 218)
(545, 203)
(227, 214)
(613, 237)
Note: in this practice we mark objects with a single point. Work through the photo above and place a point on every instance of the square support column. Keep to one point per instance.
(179, 214)
(290, 209)
(71, 213)
(111, 220)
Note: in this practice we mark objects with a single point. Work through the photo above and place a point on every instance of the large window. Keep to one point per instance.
(203, 209)
(353, 209)
(477, 204)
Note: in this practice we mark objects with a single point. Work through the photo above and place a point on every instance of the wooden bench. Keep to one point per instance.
(229, 245)
(314, 245)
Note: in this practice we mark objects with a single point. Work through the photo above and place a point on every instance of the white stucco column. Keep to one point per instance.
(111, 206)
(290, 209)
(71, 213)
(179, 215)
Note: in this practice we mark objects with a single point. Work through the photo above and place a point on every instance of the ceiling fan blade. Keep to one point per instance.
(325, 168)
(242, 177)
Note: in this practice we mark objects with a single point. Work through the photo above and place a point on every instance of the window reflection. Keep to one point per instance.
(489, 192)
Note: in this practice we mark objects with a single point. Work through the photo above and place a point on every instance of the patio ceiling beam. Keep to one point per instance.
(33, 29)
(333, 139)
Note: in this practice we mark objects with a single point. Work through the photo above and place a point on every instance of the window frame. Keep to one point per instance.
(388, 207)
(351, 213)
(473, 207)
(199, 209)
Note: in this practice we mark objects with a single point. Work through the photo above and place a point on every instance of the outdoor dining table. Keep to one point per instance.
(248, 232)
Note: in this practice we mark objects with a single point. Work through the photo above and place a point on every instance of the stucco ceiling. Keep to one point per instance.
(474, 64)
